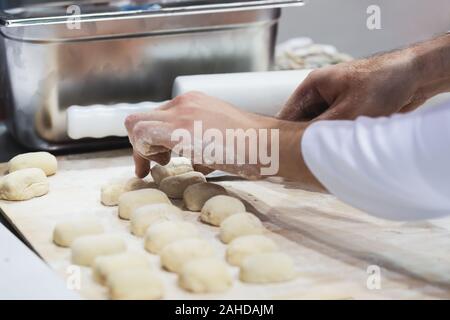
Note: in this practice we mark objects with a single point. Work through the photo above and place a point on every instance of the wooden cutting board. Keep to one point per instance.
(332, 244)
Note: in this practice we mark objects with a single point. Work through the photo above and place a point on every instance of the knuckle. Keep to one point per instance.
(180, 100)
(139, 129)
(186, 98)
(130, 121)
(183, 122)
(315, 74)
(196, 93)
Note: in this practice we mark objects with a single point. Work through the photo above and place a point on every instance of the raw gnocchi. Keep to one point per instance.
(66, 232)
(197, 194)
(24, 184)
(41, 160)
(131, 200)
(219, 208)
(85, 249)
(145, 216)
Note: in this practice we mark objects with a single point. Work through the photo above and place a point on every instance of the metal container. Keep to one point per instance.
(54, 55)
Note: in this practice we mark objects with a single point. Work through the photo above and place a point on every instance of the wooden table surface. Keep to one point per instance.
(333, 245)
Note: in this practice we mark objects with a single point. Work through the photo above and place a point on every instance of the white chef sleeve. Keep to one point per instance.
(395, 168)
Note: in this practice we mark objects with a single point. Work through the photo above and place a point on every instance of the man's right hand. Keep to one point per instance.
(398, 81)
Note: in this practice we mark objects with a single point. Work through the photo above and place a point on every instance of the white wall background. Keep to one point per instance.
(342, 23)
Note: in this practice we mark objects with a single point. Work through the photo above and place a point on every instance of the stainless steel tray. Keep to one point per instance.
(120, 52)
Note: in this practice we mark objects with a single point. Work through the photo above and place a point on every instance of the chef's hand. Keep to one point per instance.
(398, 81)
(151, 135)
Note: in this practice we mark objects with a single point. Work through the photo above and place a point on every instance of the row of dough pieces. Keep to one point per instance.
(178, 243)
(127, 274)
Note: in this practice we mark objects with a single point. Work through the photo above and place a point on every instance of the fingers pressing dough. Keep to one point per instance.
(176, 166)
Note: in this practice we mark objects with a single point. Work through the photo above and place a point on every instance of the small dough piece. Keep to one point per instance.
(42, 160)
(240, 224)
(145, 216)
(86, 248)
(135, 284)
(104, 266)
(66, 232)
(174, 186)
(178, 253)
(197, 194)
(219, 208)
(161, 234)
(131, 200)
(243, 247)
(111, 193)
(24, 184)
(205, 275)
(137, 184)
(176, 166)
(267, 268)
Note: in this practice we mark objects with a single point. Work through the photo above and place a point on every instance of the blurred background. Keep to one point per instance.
(342, 23)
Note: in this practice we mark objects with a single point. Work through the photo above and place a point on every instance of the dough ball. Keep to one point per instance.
(205, 275)
(41, 160)
(131, 200)
(104, 266)
(219, 208)
(178, 253)
(137, 184)
(242, 247)
(86, 248)
(66, 232)
(197, 194)
(176, 166)
(135, 284)
(201, 168)
(111, 193)
(145, 216)
(240, 224)
(24, 184)
(267, 268)
(161, 234)
(174, 186)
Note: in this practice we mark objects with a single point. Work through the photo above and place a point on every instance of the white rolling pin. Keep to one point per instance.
(258, 92)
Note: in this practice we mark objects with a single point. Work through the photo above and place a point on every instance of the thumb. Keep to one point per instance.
(338, 111)
(305, 104)
(152, 138)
